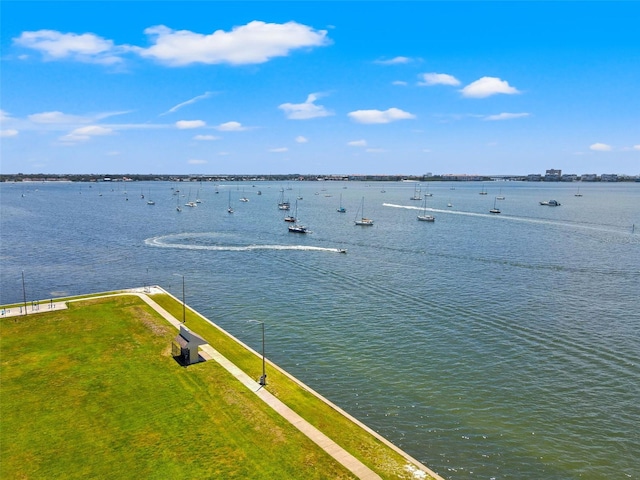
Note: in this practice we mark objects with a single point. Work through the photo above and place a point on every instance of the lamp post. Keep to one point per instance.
(184, 318)
(263, 378)
(24, 294)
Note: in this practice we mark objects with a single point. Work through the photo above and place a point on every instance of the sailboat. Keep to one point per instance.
(424, 217)
(365, 222)
(178, 207)
(341, 209)
(494, 209)
(416, 194)
(297, 228)
(483, 191)
(427, 194)
(578, 194)
(229, 209)
(149, 202)
(190, 203)
(500, 196)
(282, 204)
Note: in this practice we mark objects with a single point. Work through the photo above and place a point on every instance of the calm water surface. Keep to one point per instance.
(487, 346)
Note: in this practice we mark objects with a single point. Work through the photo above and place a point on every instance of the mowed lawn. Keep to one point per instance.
(93, 392)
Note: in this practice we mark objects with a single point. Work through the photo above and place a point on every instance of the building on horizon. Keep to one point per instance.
(552, 175)
(608, 177)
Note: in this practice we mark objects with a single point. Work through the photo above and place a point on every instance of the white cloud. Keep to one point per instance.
(400, 83)
(375, 150)
(195, 161)
(9, 132)
(188, 102)
(487, 86)
(636, 147)
(379, 116)
(206, 137)
(306, 110)
(93, 130)
(430, 79)
(4, 116)
(187, 124)
(505, 116)
(357, 143)
(83, 134)
(279, 150)
(57, 118)
(85, 47)
(231, 127)
(601, 147)
(301, 139)
(255, 42)
(394, 61)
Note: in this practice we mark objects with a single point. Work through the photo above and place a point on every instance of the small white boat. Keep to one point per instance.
(550, 203)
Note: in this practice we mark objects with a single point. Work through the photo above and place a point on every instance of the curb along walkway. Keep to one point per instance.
(336, 451)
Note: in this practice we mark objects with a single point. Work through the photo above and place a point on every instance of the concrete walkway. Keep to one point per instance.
(32, 308)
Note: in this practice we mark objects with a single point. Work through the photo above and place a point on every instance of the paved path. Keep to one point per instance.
(32, 308)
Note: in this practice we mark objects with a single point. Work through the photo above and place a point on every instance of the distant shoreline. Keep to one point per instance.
(295, 177)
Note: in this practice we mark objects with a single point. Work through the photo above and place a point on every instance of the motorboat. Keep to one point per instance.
(550, 203)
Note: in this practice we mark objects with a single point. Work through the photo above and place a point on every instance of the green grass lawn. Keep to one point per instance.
(93, 392)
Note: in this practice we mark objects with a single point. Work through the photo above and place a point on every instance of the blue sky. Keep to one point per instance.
(320, 87)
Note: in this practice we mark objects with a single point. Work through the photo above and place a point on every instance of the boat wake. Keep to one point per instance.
(203, 241)
(503, 217)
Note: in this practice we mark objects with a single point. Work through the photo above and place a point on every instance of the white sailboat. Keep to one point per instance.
(341, 209)
(296, 227)
(425, 217)
(363, 221)
(416, 193)
(190, 203)
(229, 209)
(282, 203)
(494, 209)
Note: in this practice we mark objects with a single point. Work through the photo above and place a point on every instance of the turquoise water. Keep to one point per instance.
(487, 346)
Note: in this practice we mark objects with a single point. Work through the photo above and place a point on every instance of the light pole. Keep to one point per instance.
(263, 378)
(24, 294)
(184, 318)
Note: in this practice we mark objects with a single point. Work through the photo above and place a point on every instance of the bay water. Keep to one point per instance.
(487, 346)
